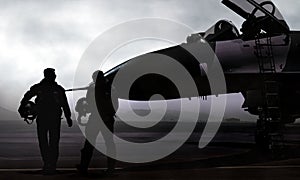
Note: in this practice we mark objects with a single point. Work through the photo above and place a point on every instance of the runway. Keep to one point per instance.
(231, 155)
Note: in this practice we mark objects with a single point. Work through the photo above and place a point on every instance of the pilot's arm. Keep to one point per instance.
(27, 96)
(30, 94)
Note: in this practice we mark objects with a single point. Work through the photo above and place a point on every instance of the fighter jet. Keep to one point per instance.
(260, 61)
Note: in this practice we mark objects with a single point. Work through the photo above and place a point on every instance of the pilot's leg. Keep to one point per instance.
(54, 136)
(110, 145)
(86, 155)
(42, 132)
(91, 133)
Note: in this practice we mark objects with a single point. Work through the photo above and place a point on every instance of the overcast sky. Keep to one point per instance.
(39, 34)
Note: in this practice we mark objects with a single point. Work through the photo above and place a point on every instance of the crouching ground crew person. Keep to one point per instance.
(50, 100)
(93, 127)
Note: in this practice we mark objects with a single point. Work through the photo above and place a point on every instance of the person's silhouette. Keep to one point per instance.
(50, 100)
(93, 127)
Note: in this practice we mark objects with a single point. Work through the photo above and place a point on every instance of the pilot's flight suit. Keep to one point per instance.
(50, 99)
(93, 127)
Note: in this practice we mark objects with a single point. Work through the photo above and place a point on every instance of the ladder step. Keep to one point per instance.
(267, 65)
(273, 101)
(275, 121)
(272, 94)
(271, 87)
(276, 134)
(270, 45)
(271, 82)
(273, 107)
(265, 56)
(268, 69)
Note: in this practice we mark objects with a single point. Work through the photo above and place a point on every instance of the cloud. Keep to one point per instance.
(39, 34)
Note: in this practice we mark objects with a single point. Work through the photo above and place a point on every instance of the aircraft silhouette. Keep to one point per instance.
(261, 63)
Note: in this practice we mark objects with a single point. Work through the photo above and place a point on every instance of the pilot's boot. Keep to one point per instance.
(81, 170)
(86, 156)
(111, 163)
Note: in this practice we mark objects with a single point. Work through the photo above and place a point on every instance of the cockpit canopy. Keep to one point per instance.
(261, 18)
(249, 7)
(259, 15)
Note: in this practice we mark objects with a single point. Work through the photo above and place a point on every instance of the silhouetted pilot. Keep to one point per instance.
(50, 99)
(93, 127)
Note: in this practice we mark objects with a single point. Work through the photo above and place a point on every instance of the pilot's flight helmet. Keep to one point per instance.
(96, 73)
(82, 106)
(28, 110)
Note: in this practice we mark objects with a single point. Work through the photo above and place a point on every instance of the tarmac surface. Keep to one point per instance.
(231, 155)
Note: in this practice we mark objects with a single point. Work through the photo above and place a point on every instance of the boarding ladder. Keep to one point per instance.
(270, 116)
